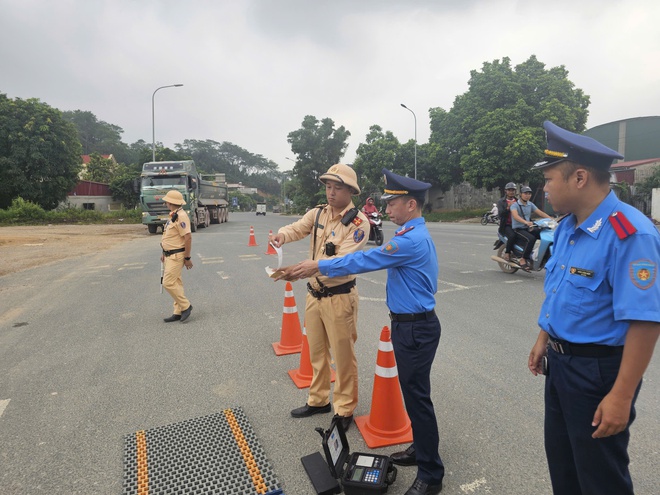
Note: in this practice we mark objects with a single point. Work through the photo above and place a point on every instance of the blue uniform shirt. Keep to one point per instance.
(596, 283)
(412, 268)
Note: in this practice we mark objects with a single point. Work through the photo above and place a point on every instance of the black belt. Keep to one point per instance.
(584, 350)
(412, 316)
(173, 251)
(330, 291)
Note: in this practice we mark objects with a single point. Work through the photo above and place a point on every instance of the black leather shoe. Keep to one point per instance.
(172, 318)
(405, 458)
(185, 314)
(419, 487)
(307, 410)
(345, 421)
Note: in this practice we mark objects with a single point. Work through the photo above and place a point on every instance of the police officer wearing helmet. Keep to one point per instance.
(331, 307)
(600, 319)
(412, 277)
(176, 245)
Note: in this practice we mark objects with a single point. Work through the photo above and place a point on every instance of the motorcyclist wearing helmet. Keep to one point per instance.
(504, 212)
(369, 207)
(521, 220)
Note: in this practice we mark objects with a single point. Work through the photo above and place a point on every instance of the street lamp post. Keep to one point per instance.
(153, 121)
(415, 117)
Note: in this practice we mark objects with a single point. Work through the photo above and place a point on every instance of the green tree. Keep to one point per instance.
(39, 153)
(100, 169)
(317, 145)
(238, 164)
(121, 187)
(651, 182)
(380, 150)
(97, 136)
(493, 132)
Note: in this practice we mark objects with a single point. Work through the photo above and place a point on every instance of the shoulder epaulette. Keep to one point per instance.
(321, 205)
(357, 221)
(622, 225)
(401, 232)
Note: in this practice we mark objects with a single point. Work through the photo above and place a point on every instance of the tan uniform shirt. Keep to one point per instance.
(174, 232)
(346, 238)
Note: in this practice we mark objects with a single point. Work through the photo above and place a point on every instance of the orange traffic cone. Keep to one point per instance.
(388, 422)
(271, 249)
(252, 241)
(291, 336)
(302, 376)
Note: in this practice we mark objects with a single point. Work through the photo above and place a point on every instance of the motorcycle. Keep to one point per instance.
(376, 229)
(490, 216)
(540, 255)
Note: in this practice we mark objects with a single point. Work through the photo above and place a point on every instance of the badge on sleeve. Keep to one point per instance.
(358, 235)
(390, 248)
(643, 273)
(183, 225)
(357, 221)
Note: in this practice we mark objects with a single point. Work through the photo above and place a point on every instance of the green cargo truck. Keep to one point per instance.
(205, 195)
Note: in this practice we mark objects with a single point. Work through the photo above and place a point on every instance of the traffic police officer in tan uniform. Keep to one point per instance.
(335, 229)
(176, 245)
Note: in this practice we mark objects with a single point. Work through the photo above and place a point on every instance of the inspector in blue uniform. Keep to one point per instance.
(412, 280)
(600, 318)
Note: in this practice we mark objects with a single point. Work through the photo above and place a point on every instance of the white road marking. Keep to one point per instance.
(373, 299)
(472, 487)
(132, 266)
(3, 405)
(223, 276)
(211, 262)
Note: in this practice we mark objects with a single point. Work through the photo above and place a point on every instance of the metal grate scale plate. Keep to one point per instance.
(216, 454)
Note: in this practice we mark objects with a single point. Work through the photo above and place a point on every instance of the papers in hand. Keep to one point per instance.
(274, 272)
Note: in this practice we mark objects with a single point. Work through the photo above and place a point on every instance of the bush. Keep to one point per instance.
(23, 212)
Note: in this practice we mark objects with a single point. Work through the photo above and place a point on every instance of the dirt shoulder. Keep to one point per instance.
(30, 246)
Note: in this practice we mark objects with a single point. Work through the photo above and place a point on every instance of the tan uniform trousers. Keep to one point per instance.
(331, 323)
(173, 284)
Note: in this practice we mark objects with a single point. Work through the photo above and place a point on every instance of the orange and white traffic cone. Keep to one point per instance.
(271, 249)
(388, 422)
(252, 241)
(302, 376)
(291, 336)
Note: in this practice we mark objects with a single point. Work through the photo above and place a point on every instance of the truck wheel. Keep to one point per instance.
(193, 223)
(153, 228)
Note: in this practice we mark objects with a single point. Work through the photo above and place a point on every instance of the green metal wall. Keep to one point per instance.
(642, 137)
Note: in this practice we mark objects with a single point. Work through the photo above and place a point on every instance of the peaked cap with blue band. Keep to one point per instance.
(397, 185)
(566, 145)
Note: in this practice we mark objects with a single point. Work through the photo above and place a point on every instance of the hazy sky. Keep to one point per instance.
(252, 69)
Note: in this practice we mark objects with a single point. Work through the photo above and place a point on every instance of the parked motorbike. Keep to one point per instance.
(490, 216)
(540, 255)
(376, 229)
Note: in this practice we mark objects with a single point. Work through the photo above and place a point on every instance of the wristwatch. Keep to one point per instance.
(186, 258)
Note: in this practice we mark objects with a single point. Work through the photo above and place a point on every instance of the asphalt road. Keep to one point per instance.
(85, 360)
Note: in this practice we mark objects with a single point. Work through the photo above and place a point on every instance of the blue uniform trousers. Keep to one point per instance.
(579, 464)
(414, 345)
